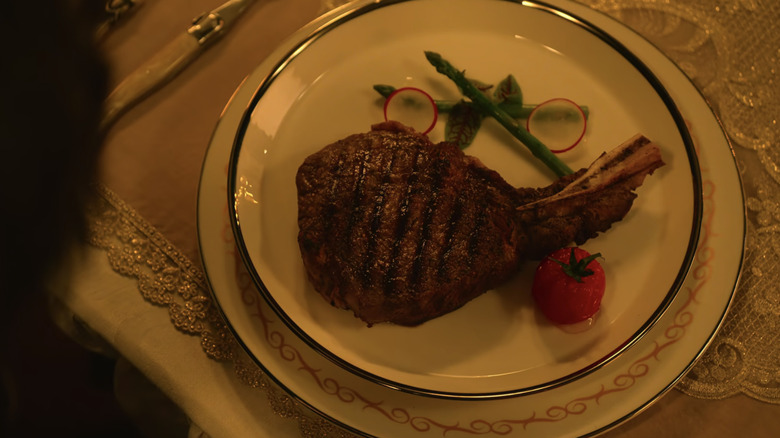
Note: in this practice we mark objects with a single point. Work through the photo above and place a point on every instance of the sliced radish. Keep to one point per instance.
(413, 107)
(558, 123)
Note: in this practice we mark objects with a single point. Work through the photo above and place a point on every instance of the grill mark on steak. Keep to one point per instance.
(330, 206)
(452, 223)
(476, 231)
(371, 257)
(357, 191)
(413, 230)
(431, 202)
(403, 221)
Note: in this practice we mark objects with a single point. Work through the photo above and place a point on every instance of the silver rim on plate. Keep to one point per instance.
(509, 392)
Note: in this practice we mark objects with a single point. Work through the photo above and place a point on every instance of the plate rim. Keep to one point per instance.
(709, 332)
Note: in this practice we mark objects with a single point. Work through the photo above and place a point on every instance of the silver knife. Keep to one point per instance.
(171, 60)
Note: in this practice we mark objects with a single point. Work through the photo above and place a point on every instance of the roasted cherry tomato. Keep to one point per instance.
(568, 285)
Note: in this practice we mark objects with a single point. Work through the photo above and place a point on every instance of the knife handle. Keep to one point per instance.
(165, 65)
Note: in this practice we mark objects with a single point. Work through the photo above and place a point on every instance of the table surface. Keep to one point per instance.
(145, 231)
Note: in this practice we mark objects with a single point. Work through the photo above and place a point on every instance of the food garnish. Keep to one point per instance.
(537, 148)
(568, 285)
(464, 119)
(413, 107)
(559, 122)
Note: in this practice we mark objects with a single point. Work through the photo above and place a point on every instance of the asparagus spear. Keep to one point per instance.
(537, 148)
(445, 106)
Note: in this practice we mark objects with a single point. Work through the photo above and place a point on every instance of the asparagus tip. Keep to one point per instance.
(432, 56)
(384, 90)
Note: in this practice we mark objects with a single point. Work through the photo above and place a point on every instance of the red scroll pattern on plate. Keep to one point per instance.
(639, 369)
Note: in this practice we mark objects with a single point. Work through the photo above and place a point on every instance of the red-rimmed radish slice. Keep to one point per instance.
(413, 107)
(558, 123)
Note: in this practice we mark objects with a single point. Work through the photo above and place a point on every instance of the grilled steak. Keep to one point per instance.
(402, 230)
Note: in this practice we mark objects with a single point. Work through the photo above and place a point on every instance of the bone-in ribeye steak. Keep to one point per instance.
(402, 230)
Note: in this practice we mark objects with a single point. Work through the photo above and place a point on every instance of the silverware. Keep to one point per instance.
(171, 59)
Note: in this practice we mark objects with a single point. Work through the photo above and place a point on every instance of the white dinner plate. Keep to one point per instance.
(496, 345)
(596, 401)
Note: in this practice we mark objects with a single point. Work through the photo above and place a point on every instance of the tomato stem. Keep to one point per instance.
(577, 269)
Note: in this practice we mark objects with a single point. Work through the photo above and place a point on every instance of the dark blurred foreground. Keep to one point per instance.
(53, 82)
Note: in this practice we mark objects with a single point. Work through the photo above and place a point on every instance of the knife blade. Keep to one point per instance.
(171, 59)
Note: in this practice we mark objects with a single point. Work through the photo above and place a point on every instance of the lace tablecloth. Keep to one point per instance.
(730, 48)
